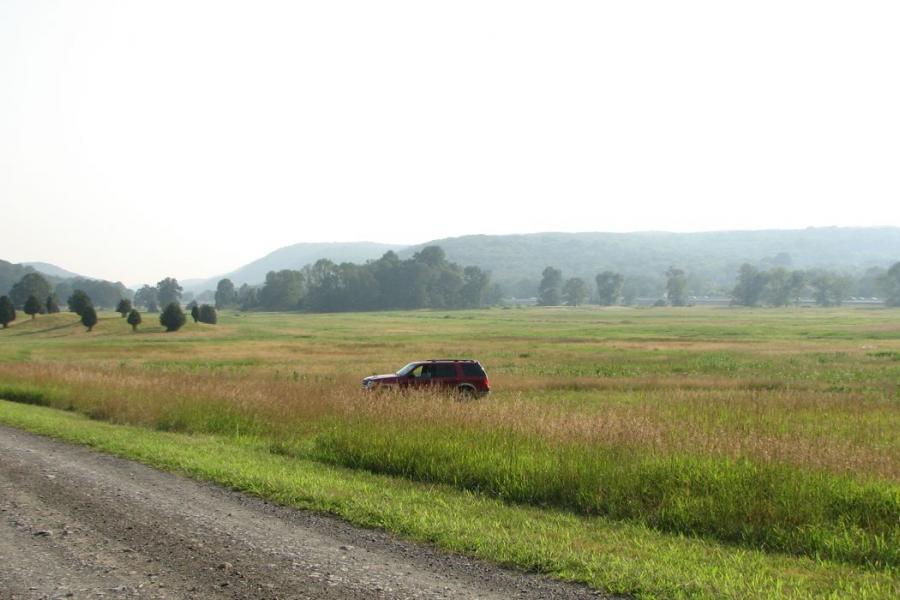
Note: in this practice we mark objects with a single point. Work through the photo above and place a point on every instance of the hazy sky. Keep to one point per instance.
(143, 139)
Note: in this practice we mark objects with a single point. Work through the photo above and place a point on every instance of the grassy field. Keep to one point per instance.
(768, 438)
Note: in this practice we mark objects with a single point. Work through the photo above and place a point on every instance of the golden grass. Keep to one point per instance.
(840, 432)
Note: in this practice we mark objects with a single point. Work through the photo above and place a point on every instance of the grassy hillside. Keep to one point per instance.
(765, 437)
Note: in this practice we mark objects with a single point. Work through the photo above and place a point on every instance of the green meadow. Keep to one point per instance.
(699, 452)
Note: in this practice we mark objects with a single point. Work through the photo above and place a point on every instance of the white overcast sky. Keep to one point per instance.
(185, 138)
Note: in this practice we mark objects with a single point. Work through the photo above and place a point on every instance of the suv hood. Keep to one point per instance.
(386, 378)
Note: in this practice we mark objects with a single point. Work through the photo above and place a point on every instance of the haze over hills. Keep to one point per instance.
(711, 259)
(54, 271)
(295, 256)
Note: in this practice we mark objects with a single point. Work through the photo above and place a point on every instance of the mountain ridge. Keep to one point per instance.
(516, 261)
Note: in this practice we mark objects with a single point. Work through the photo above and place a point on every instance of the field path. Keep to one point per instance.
(80, 524)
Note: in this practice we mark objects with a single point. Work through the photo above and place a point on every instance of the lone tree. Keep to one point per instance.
(168, 291)
(750, 286)
(609, 287)
(78, 301)
(575, 291)
(52, 305)
(146, 296)
(123, 307)
(676, 287)
(7, 311)
(549, 293)
(890, 284)
(89, 317)
(207, 314)
(134, 319)
(31, 284)
(172, 317)
(195, 312)
(225, 294)
(32, 306)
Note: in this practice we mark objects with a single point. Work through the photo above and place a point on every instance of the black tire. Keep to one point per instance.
(465, 393)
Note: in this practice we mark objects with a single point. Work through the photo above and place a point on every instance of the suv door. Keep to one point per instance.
(421, 376)
(445, 375)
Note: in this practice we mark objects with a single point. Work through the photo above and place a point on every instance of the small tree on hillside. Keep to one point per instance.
(207, 314)
(575, 291)
(89, 317)
(7, 311)
(123, 307)
(195, 312)
(172, 317)
(52, 305)
(78, 301)
(32, 306)
(134, 319)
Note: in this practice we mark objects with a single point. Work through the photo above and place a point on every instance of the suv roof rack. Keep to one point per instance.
(450, 360)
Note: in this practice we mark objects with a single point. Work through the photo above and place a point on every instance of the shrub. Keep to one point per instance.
(89, 317)
(7, 311)
(124, 307)
(32, 306)
(134, 319)
(207, 314)
(78, 301)
(172, 317)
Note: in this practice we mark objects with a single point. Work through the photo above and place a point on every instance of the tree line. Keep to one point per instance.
(427, 280)
(610, 286)
(780, 286)
(777, 286)
(26, 292)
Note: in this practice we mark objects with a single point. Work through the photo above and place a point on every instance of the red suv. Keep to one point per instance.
(464, 375)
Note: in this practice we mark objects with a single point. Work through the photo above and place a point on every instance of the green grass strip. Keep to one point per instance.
(766, 506)
(618, 557)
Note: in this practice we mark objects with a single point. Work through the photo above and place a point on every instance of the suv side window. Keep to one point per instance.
(472, 370)
(446, 370)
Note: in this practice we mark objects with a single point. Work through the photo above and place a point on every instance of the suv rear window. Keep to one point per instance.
(443, 370)
(472, 370)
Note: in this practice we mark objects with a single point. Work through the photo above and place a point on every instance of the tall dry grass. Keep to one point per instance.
(846, 433)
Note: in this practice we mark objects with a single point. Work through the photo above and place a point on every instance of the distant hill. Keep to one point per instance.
(104, 294)
(710, 258)
(294, 257)
(53, 270)
(10, 273)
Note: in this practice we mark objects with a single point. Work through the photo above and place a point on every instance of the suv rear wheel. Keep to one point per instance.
(466, 391)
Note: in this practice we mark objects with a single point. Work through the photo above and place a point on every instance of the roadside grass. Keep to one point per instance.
(760, 505)
(618, 557)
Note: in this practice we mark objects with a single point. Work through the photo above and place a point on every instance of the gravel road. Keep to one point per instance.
(79, 524)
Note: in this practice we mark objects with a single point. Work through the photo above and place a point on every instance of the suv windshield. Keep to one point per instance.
(405, 370)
